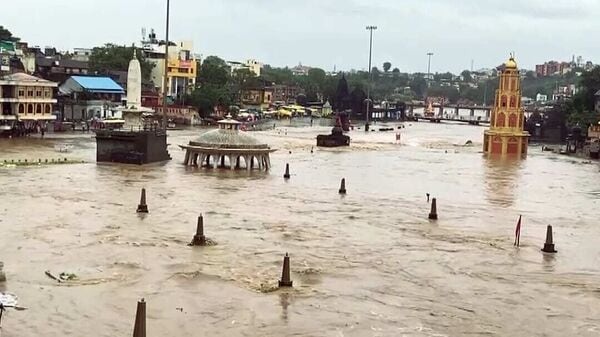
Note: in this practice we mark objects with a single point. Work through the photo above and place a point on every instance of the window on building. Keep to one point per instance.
(21, 92)
(503, 101)
(29, 108)
(500, 121)
(38, 93)
(48, 109)
(512, 121)
(47, 92)
(513, 101)
(38, 109)
(30, 93)
(21, 109)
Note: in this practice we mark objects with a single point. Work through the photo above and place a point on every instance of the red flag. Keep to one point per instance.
(518, 233)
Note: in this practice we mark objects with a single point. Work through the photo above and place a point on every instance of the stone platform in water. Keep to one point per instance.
(335, 139)
(132, 147)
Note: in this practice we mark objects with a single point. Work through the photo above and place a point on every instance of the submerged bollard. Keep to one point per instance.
(286, 280)
(2, 274)
(286, 175)
(433, 212)
(343, 186)
(549, 244)
(142, 207)
(199, 238)
(139, 327)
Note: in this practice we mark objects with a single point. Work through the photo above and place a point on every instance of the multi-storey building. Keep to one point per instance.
(25, 101)
(182, 65)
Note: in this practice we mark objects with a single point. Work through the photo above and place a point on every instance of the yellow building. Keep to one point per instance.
(182, 67)
(506, 135)
(26, 99)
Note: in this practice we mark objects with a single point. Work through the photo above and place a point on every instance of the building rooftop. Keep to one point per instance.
(51, 62)
(22, 78)
(104, 84)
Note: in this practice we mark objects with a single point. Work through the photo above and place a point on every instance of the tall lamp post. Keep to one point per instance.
(165, 79)
(429, 55)
(370, 29)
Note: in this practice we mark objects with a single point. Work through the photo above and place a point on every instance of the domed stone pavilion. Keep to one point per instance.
(227, 147)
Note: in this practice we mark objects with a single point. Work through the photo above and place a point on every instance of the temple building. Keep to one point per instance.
(225, 147)
(140, 141)
(506, 135)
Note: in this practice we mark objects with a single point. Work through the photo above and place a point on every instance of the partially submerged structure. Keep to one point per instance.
(138, 142)
(226, 147)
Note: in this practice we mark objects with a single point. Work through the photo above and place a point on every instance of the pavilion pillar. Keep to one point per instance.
(260, 162)
(208, 160)
(195, 159)
(237, 162)
(268, 158)
(247, 161)
(231, 162)
(202, 157)
(186, 161)
(216, 162)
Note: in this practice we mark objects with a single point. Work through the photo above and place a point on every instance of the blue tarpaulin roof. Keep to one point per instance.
(99, 84)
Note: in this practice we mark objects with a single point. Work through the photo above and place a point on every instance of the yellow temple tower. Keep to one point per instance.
(505, 135)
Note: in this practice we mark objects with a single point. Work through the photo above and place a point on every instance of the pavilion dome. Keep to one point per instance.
(227, 139)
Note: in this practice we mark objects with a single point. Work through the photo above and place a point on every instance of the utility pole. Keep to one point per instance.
(370, 29)
(165, 79)
(430, 54)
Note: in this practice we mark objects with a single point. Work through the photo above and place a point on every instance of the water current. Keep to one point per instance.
(366, 264)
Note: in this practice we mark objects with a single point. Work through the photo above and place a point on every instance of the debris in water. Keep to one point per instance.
(9, 300)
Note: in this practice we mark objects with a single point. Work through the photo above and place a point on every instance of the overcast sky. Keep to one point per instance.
(325, 33)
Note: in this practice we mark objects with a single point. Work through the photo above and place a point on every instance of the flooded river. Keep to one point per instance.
(366, 264)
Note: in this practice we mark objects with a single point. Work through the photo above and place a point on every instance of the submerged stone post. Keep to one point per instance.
(199, 238)
(139, 327)
(286, 175)
(343, 186)
(142, 207)
(286, 280)
(433, 212)
(549, 244)
(2, 274)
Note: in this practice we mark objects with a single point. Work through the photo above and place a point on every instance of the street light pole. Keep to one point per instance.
(165, 79)
(370, 29)
(430, 54)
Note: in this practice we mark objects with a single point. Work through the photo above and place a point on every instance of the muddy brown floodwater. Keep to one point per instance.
(365, 264)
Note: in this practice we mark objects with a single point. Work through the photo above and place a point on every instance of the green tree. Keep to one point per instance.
(590, 85)
(277, 75)
(418, 84)
(396, 71)
(6, 35)
(466, 76)
(387, 66)
(215, 85)
(241, 80)
(316, 78)
(114, 57)
(215, 71)
(208, 96)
